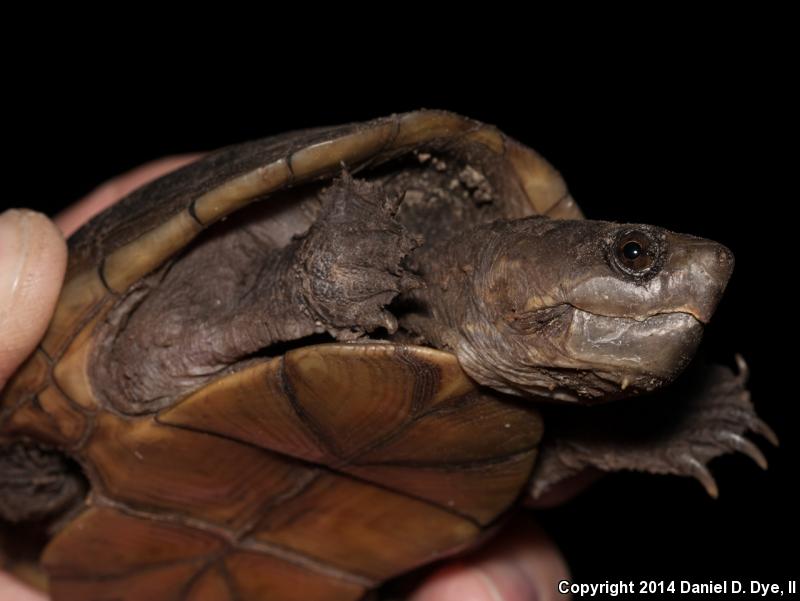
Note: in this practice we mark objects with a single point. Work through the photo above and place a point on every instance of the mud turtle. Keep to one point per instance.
(305, 396)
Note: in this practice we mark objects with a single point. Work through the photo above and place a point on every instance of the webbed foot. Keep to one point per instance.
(707, 413)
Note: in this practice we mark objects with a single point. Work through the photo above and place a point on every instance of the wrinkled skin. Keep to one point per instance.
(540, 308)
(555, 309)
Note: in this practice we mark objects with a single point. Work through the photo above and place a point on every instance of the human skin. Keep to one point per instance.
(521, 564)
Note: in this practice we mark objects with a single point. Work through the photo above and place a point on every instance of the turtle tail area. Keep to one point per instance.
(40, 489)
(677, 431)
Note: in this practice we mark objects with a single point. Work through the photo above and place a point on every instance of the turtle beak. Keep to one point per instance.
(700, 270)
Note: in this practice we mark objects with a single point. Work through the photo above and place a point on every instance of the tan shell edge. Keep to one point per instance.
(83, 291)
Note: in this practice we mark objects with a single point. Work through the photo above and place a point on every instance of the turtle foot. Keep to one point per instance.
(707, 413)
(350, 263)
(722, 414)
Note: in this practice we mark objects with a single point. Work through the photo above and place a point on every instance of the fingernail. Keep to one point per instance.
(15, 233)
(509, 581)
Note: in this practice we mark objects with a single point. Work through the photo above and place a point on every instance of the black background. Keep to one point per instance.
(699, 143)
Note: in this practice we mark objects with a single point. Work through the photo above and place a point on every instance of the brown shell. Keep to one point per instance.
(315, 475)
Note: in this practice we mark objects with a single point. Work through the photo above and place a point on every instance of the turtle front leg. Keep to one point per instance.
(348, 267)
(235, 294)
(676, 432)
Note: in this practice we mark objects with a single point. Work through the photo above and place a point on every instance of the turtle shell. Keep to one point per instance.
(318, 474)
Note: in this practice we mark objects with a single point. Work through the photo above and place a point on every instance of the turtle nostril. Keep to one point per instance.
(726, 259)
(719, 265)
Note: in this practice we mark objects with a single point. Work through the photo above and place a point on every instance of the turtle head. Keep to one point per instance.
(587, 310)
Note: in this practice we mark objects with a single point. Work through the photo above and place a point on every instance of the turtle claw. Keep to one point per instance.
(707, 414)
(753, 422)
(759, 426)
(701, 473)
(736, 442)
(389, 321)
(722, 413)
(743, 368)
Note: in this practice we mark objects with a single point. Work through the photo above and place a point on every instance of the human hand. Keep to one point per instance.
(519, 565)
(33, 258)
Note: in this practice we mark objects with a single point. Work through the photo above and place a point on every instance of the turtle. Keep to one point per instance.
(300, 367)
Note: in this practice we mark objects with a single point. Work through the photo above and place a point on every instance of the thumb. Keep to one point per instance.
(520, 564)
(33, 258)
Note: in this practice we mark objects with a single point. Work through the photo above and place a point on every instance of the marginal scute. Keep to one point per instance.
(364, 529)
(29, 379)
(490, 137)
(165, 583)
(70, 422)
(566, 208)
(138, 258)
(328, 156)
(42, 413)
(542, 183)
(258, 577)
(32, 420)
(424, 126)
(175, 471)
(238, 192)
(82, 549)
(80, 296)
(71, 371)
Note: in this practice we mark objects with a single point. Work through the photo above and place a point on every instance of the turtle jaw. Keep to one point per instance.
(576, 356)
(639, 355)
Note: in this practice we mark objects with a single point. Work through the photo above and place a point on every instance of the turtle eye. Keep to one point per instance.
(635, 252)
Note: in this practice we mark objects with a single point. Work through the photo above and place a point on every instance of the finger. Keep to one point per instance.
(71, 218)
(522, 564)
(12, 590)
(33, 258)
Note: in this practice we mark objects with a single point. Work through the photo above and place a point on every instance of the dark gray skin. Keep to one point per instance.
(555, 309)
(533, 307)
